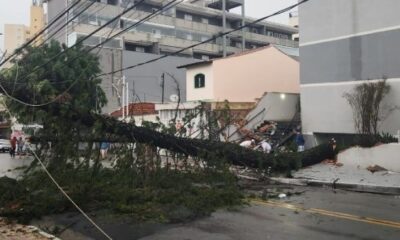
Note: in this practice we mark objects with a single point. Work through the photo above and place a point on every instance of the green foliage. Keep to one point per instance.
(164, 195)
(68, 83)
(52, 81)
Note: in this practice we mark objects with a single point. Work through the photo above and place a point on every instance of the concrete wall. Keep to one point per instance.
(325, 110)
(344, 43)
(110, 60)
(386, 156)
(145, 81)
(54, 7)
(244, 77)
(277, 107)
(327, 19)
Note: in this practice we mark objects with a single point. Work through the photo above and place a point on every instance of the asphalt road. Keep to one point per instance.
(317, 213)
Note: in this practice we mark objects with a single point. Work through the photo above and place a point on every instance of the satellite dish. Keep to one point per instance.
(174, 98)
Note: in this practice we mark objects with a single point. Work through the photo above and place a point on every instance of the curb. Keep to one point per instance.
(339, 185)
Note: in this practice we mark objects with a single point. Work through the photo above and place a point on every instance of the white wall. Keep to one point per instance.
(386, 156)
(277, 108)
(200, 94)
(333, 113)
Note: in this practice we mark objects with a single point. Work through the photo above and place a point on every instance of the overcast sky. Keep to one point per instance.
(17, 11)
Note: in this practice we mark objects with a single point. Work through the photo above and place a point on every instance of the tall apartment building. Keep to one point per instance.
(15, 35)
(185, 24)
(343, 44)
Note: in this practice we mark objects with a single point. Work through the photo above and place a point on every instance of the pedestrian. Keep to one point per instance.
(13, 143)
(266, 146)
(20, 144)
(300, 141)
(178, 126)
(104, 149)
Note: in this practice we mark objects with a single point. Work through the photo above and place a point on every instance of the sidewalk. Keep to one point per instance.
(346, 177)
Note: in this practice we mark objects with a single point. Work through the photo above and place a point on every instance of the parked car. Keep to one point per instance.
(5, 145)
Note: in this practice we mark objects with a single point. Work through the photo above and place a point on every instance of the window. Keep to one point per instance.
(188, 17)
(189, 36)
(140, 49)
(199, 81)
(204, 20)
(157, 33)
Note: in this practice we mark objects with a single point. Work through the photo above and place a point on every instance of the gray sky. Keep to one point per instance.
(17, 11)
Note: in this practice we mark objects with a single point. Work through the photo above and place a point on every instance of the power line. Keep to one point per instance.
(87, 17)
(207, 40)
(87, 36)
(37, 105)
(69, 21)
(68, 197)
(76, 80)
(112, 30)
(18, 50)
(155, 59)
(148, 17)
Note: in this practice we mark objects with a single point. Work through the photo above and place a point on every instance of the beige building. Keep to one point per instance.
(243, 77)
(15, 35)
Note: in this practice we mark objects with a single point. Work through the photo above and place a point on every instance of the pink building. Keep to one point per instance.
(244, 77)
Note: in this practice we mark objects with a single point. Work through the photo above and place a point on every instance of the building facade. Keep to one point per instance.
(243, 77)
(343, 44)
(15, 35)
(185, 24)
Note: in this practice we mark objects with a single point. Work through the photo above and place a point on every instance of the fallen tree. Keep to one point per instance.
(112, 130)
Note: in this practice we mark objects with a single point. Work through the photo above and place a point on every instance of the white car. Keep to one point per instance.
(5, 145)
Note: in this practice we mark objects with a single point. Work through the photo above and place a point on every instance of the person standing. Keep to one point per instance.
(300, 141)
(13, 143)
(104, 146)
(20, 143)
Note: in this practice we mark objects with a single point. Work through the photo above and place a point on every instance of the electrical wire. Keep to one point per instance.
(69, 21)
(18, 50)
(159, 58)
(68, 197)
(148, 17)
(80, 41)
(76, 80)
(207, 40)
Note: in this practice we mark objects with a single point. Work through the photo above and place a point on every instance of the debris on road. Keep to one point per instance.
(376, 168)
(10, 230)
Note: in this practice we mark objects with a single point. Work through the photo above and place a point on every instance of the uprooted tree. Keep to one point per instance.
(191, 178)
